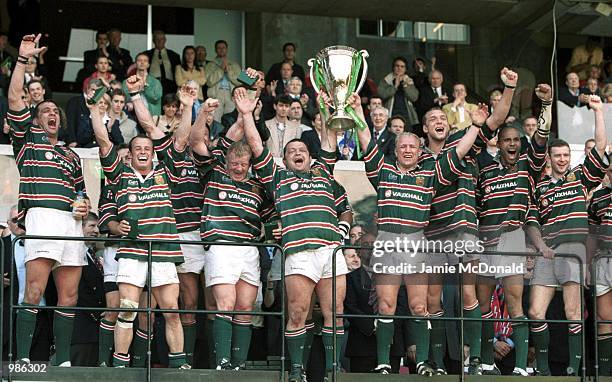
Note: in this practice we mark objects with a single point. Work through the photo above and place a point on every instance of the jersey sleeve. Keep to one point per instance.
(533, 214)
(341, 199)
(448, 167)
(174, 162)
(107, 207)
(594, 169)
(111, 165)
(536, 158)
(20, 123)
(328, 160)
(266, 171)
(374, 161)
(161, 146)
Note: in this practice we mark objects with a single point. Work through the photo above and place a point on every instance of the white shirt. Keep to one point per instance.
(155, 70)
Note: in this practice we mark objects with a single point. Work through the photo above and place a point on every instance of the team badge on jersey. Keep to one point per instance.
(545, 202)
(387, 193)
(184, 172)
(49, 155)
(294, 186)
(316, 171)
(487, 189)
(132, 198)
(420, 181)
(222, 195)
(159, 179)
(571, 177)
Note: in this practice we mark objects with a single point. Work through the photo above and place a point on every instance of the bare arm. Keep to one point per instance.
(199, 136)
(364, 135)
(510, 79)
(181, 134)
(601, 140)
(328, 137)
(544, 93)
(135, 84)
(245, 107)
(534, 234)
(100, 130)
(27, 49)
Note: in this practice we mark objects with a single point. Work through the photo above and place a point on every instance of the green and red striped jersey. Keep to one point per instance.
(404, 199)
(146, 200)
(50, 175)
(600, 216)
(309, 203)
(561, 204)
(504, 196)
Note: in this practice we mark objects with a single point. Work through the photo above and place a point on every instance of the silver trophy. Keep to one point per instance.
(334, 71)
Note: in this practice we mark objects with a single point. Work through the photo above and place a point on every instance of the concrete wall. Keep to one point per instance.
(210, 25)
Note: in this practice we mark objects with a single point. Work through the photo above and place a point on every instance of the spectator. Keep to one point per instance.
(127, 126)
(312, 137)
(296, 114)
(281, 86)
(346, 145)
(487, 156)
(163, 63)
(37, 70)
(353, 261)
(189, 69)
(222, 76)
(583, 56)
(384, 138)
(36, 90)
(420, 72)
(102, 72)
(570, 94)
(152, 91)
(458, 112)
(374, 102)
(397, 125)
(595, 73)
(85, 134)
(76, 110)
(274, 73)
(281, 129)
(8, 55)
(296, 90)
(607, 93)
(90, 57)
(120, 59)
(355, 234)
(398, 92)
(201, 55)
(84, 349)
(530, 125)
(115, 85)
(432, 94)
(169, 121)
(4, 133)
(592, 87)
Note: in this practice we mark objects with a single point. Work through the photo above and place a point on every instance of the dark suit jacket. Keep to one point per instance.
(311, 138)
(386, 143)
(426, 99)
(275, 74)
(90, 294)
(168, 85)
(89, 59)
(361, 340)
(76, 110)
(120, 61)
(568, 98)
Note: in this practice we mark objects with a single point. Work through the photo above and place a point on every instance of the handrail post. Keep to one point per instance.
(334, 313)
(149, 292)
(283, 313)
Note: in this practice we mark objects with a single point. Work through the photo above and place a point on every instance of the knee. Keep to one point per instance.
(298, 314)
(111, 316)
(572, 312)
(33, 294)
(386, 306)
(172, 318)
(243, 307)
(418, 309)
(126, 319)
(536, 313)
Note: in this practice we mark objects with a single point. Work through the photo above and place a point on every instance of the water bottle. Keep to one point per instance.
(79, 201)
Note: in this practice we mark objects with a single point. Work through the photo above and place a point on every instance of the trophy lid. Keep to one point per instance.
(336, 49)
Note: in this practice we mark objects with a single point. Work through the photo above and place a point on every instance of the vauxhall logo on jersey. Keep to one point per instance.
(500, 187)
(403, 195)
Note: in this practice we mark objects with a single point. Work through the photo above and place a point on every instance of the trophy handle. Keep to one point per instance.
(364, 54)
(312, 78)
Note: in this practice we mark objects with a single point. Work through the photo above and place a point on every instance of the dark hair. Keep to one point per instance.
(170, 98)
(98, 33)
(220, 42)
(34, 81)
(284, 99)
(101, 56)
(114, 29)
(122, 146)
(137, 137)
(184, 60)
(296, 140)
(285, 45)
(91, 216)
(505, 127)
(37, 107)
(557, 143)
(294, 100)
(375, 96)
(142, 54)
(402, 59)
(116, 92)
(400, 117)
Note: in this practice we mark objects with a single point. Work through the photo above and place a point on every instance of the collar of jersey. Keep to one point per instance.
(141, 179)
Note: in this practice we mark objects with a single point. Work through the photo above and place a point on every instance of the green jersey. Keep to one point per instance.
(50, 175)
(600, 216)
(562, 205)
(146, 201)
(309, 203)
(404, 198)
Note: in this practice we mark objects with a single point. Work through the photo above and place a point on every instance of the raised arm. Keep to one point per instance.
(364, 135)
(99, 130)
(134, 85)
(601, 139)
(245, 107)
(329, 142)
(544, 93)
(478, 116)
(199, 136)
(181, 134)
(498, 117)
(27, 49)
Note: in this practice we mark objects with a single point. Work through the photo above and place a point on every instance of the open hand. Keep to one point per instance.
(185, 96)
(480, 115)
(244, 104)
(28, 46)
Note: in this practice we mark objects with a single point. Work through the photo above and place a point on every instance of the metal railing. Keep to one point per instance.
(461, 318)
(148, 309)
